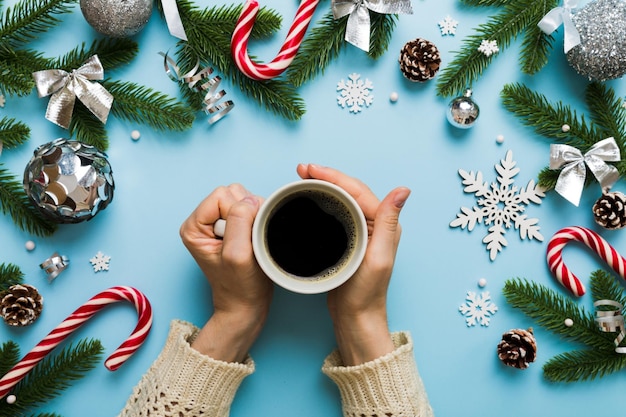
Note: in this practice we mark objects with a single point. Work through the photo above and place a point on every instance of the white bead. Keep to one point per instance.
(565, 128)
(482, 282)
(135, 135)
(568, 322)
(11, 399)
(393, 97)
(30, 245)
(500, 138)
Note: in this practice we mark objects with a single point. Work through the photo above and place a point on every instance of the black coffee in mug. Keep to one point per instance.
(310, 233)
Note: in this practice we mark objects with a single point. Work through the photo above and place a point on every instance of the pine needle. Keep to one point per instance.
(112, 52)
(9, 356)
(13, 133)
(9, 275)
(583, 365)
(16, 68)
(87, 128)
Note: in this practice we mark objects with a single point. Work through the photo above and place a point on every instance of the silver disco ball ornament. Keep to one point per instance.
(463, 111)
(601, 55)
(116, 18)
(69, 181)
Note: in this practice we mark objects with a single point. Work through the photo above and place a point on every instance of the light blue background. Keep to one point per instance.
(161, 178)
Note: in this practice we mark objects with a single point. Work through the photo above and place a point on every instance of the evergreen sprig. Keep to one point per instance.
(9, 356)
(550, 309)
(86, 128)
(112, 53)
(9, 275)
(209, 36)
(52, 375)
(325, 42)
(15, 203)
(17, 68)
(517, 17)
(13, 133)
(607, 119)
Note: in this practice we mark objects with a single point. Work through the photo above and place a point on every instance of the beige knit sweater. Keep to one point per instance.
(184, 383)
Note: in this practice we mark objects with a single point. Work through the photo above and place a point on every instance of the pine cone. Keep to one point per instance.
(419, 60)
(610, 210)
(20, 304)
(518, 348)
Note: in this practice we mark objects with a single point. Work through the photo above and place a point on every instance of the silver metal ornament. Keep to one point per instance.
(117, 18)
(69, 181)
(601, 54)
(463, 111)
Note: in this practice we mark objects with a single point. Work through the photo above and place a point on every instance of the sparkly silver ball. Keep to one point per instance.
(601, 54)
(463, 111)
(69, 181)
(117, 18)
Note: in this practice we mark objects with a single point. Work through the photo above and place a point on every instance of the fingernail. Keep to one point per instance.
(401, 196)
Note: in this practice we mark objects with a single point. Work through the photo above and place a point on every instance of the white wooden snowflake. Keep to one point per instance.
(100, 262)
(478, 308)
(500, 205)
(488, 47)
(355, 93)
(448, 26)
(2, 100)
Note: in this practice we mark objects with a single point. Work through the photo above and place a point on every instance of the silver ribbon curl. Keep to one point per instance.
(562, 16)
(571, 180)
(612, 321)
(358, 26)
(54, 265)
(65, 87)
(195, 80)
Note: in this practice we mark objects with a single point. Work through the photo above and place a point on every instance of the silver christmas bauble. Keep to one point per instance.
(69, 181)
(601, 54)
(117, 18)
(463, 111)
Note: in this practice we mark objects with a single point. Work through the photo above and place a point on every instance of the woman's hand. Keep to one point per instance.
(241, 291)
(358, 308)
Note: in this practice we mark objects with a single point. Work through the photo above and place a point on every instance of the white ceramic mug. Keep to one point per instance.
(288, 253)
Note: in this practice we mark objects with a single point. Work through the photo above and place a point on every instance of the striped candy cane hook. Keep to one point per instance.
(239, 41)
(74, 321)
(593, 241)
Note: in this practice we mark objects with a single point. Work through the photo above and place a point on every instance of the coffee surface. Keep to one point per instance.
(303, 239)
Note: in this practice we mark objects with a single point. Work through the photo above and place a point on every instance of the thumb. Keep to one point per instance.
(386, 232)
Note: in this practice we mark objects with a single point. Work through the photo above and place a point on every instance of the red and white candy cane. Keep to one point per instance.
(239, 41)
(74, 321)
(593, 241)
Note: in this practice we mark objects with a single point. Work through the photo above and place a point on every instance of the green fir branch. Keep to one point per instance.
(13, 133)
(9, 275)
(15, 203)
(9, 356)
(583, 365)
(515, 18)
(112, 52)
(29, 18)
(16, 69)
(604, 287)
(208, 34)
(550, 309)
(53, 375)
(608, 118)
(87, 128)
(141, 104)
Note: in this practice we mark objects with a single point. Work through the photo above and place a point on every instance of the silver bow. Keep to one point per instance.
(572, 177)
(611, 321)
(66, 87)
(562, 16)
(358, 26)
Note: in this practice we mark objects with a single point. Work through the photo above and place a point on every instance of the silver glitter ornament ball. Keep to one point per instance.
(117, 18)
(601, 54)
(69, 181)
(463, 111)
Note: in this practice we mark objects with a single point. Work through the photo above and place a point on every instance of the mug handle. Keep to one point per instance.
(219, 227)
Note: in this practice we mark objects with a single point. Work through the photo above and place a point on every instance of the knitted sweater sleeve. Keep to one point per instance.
(387, 386)
(183, 382)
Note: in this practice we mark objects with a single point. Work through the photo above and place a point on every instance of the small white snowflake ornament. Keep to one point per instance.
(500, 205)
(100, 262)
(2, 100)
(478, 308)
(448, 26)
(355, 93)
(488, 47)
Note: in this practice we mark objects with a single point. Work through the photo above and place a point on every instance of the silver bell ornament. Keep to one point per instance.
(117, 18)
(463, 111)
(601, 54)
(69, 181)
